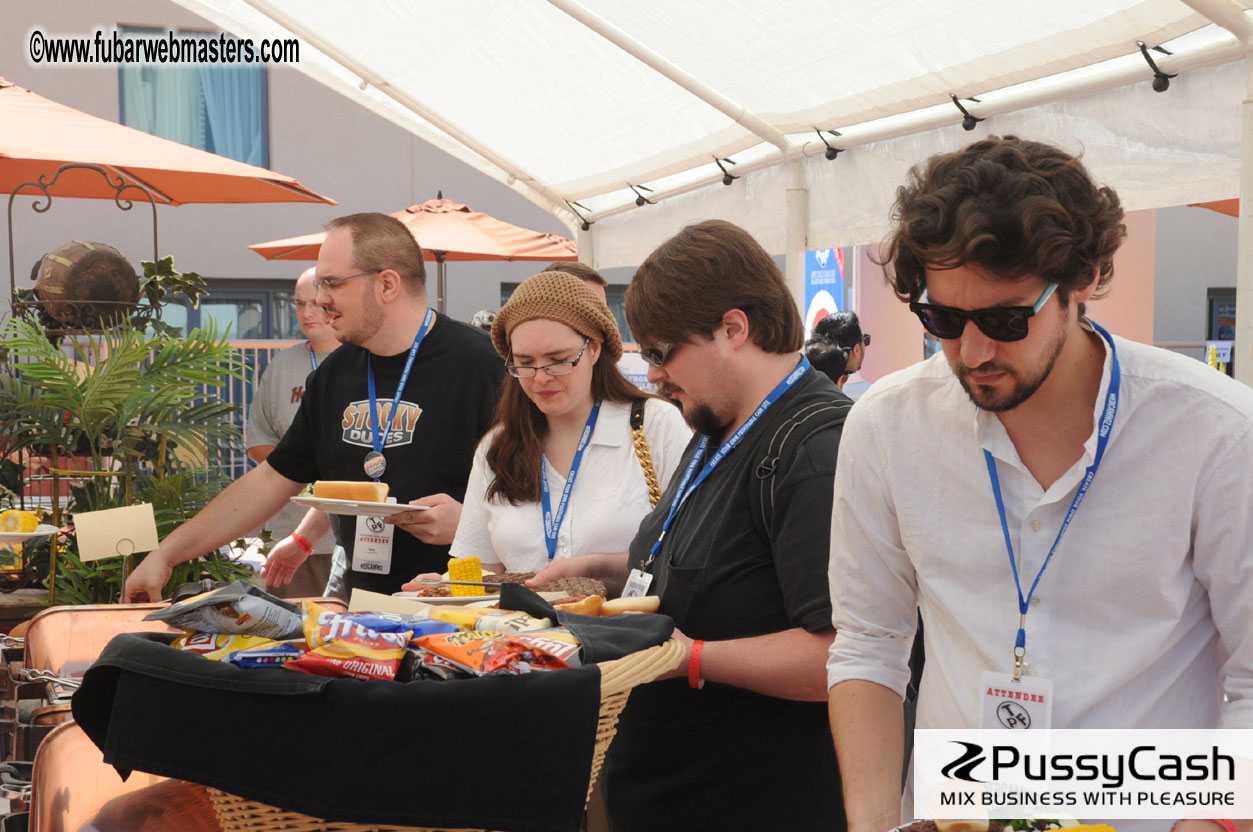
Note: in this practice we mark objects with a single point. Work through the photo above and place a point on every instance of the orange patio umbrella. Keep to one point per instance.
(38, 136)
(1230, 207)
(446, 230)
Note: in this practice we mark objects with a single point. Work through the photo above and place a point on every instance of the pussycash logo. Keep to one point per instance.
(356, 423)
(1141, 764)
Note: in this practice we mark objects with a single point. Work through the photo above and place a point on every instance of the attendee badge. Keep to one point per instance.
(375, 464)
(637, 584)
(372, 550)
(1004, 703)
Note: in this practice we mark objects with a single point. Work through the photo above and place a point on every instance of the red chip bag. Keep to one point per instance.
(339, 645)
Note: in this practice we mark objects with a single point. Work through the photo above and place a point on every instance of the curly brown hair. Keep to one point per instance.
(1009, 206)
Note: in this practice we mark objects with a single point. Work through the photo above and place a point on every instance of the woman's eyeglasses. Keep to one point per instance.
(557, 368)
(1000, 323)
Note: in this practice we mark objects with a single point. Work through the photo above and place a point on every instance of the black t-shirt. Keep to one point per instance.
(448, 404)
(724, 757)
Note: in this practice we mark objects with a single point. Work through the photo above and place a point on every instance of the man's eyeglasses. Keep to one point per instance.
(557, 368)
(326, 284)
(1000, 323)
(658, 353)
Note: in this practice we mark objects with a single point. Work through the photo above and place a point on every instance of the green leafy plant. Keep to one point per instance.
(140, 406)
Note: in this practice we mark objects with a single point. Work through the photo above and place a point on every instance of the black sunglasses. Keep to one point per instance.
(658, 353)
(1000, 323)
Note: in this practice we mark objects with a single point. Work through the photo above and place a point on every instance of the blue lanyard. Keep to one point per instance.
(687, 485)
(380, 437)
(552, 522)
(1102, 440)
(313, 359)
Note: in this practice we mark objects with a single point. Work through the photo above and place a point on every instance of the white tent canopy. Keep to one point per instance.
(618, 113)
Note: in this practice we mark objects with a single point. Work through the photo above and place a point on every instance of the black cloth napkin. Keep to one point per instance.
(347, 749)
(603, 638)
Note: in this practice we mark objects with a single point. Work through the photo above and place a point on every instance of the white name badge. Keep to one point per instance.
(372, 549)
(637, 584)
(1021, 705)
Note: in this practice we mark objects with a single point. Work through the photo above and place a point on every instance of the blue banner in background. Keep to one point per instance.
(824, 285)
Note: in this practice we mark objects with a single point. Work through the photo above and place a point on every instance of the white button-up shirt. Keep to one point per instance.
(607, 502)
(1144, 617)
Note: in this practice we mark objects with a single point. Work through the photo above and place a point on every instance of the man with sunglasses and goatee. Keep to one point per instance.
(1070, 510)
(741, 721)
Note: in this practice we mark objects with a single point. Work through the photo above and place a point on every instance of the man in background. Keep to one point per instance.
(279, 390)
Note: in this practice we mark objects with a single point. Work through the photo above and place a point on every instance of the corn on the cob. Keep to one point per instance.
(465, 569)
(18, 521)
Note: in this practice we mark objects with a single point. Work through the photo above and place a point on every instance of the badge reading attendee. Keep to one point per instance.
(372, 549)
(1022, 705)
(375, 464)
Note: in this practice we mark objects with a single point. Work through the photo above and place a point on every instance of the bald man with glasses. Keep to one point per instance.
(403, 401)
(1069, 510)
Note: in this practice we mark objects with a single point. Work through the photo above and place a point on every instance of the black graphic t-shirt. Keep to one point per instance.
(449, 402)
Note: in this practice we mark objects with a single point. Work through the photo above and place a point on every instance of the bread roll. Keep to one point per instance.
(591, 605)
(362, 492)
(647, 603)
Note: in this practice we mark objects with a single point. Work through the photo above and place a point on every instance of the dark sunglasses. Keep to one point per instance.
(1000, 323)
(658, 353)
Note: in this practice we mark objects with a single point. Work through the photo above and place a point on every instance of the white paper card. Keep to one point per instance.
(1025, 704)
(115, 531)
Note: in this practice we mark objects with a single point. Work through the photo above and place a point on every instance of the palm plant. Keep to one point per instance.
(128, 400)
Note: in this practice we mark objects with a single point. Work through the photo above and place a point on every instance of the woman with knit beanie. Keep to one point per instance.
(559, 473)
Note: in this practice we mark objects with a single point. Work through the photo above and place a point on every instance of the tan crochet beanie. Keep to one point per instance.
(560, 297)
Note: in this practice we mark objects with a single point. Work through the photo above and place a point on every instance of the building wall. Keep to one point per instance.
(1195, 250)
(328, 143)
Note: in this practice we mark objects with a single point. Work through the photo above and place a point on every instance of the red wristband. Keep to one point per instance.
(694, 680)
(302, 542)
(1227, 825)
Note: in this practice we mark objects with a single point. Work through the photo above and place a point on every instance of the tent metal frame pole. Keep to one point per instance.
(1085, 80)
(585, 242)
(797, 236)
(552, 202)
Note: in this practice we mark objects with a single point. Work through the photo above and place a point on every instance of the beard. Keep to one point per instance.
(701, 418)
(371, 315)
(995, 401)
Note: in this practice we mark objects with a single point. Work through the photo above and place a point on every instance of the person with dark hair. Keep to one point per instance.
(837, 346)
(1067, 508)
(583, 272)
(403, 401)
(736, 550)
(565, 413)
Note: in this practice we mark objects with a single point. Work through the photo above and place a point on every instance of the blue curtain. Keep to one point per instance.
(235, 103)
(216, 107)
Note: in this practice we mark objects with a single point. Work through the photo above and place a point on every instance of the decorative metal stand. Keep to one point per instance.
(86, 310)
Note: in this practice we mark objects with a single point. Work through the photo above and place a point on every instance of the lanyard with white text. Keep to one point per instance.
(552, 521)
(685, 490)
(1102, 440)
(375, 465)
(313, 358)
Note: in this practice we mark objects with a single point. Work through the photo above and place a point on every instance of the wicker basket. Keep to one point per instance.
(235, 814)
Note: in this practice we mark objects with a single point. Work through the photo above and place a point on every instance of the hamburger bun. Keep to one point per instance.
(357, 491)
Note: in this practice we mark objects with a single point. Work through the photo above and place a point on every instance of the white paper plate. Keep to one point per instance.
(42, 530)
(355, 507)
(449, 599)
